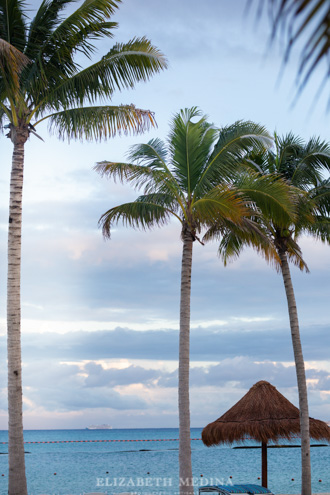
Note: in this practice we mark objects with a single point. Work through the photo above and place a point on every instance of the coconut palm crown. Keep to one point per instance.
(41, 79)
(189, 178)
(302, 165)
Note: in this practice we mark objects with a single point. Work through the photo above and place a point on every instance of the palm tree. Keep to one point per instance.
(40, 80)
(188, 178)
(301, 165)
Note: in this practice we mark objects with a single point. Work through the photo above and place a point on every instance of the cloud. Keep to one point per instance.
(103, 292)
(210, 344)
(100, 377)
(63, 387)
(94, 390)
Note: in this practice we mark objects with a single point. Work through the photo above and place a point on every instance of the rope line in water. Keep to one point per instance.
(103, 441)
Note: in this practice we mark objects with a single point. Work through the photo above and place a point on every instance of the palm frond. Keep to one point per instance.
(53, 73)
(3, 116)
(74, 31)
(54, 59)
(320, 228)
(273, 197)
(12, 62)
(298, 20)
(43, 24)
(12, 23)
(317, 47)
(249, 234)
(141, 214)
(123, 67)
(294, 255)
(313, 159)
(150, 179)
(190, 145)
(288, 150)
(230, 247)
(218, 204)
(152, 154)
(134, 61)
(97, 123)
(321, 197)
(233, 146)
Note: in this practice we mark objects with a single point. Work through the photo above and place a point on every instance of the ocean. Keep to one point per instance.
(145, 461)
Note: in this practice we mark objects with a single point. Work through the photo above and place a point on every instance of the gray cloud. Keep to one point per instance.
(239, 372)
(62, 387)
(100, 377)
(206, 344)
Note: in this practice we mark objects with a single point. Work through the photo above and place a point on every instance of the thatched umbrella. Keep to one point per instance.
(263, 414)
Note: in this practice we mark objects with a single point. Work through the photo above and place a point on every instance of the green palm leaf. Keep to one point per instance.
(313, 159)
(141, 176)
(74, 31)
(3, 115)
(308, 20)
(190, 144)
(12, 62)
(43, 24)
(142, 214)
(220, 203)
(233, 144)
(152, 154)
(282, 209)
(320, 228)
(121, 68)
(13, 23)
(233, 241)
(274, 197)
(321, 197)
(97, 123)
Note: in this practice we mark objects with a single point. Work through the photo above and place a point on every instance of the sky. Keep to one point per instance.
(100, 318)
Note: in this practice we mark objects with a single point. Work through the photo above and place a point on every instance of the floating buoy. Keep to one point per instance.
(292, 479)
(201, 476)
(320, 481)
(2, 475)
(55, 474)
(230, 477)
(107, 472)
(258, 477)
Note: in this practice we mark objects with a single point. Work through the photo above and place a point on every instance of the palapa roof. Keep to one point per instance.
(263, 414)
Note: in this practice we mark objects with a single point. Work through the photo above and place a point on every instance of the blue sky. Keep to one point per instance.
(100, 318)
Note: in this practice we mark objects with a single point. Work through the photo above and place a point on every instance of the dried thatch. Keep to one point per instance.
(263, 414)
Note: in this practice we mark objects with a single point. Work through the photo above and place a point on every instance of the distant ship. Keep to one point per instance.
(99, 427)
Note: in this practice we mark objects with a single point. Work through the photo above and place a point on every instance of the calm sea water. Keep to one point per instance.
(149, 463)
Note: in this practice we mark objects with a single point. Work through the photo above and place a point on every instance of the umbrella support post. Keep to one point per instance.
(264, 480)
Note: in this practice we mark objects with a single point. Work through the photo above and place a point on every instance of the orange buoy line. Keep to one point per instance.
(106, 441)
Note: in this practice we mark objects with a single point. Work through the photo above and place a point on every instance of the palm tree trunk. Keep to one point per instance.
(306, 488)
(17, 480)
(185, 469)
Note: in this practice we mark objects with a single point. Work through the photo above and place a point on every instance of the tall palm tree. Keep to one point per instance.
(189, 178)
(41, 80)
(301, 165)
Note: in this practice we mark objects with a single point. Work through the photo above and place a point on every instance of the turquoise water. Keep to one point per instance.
(150, 466)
